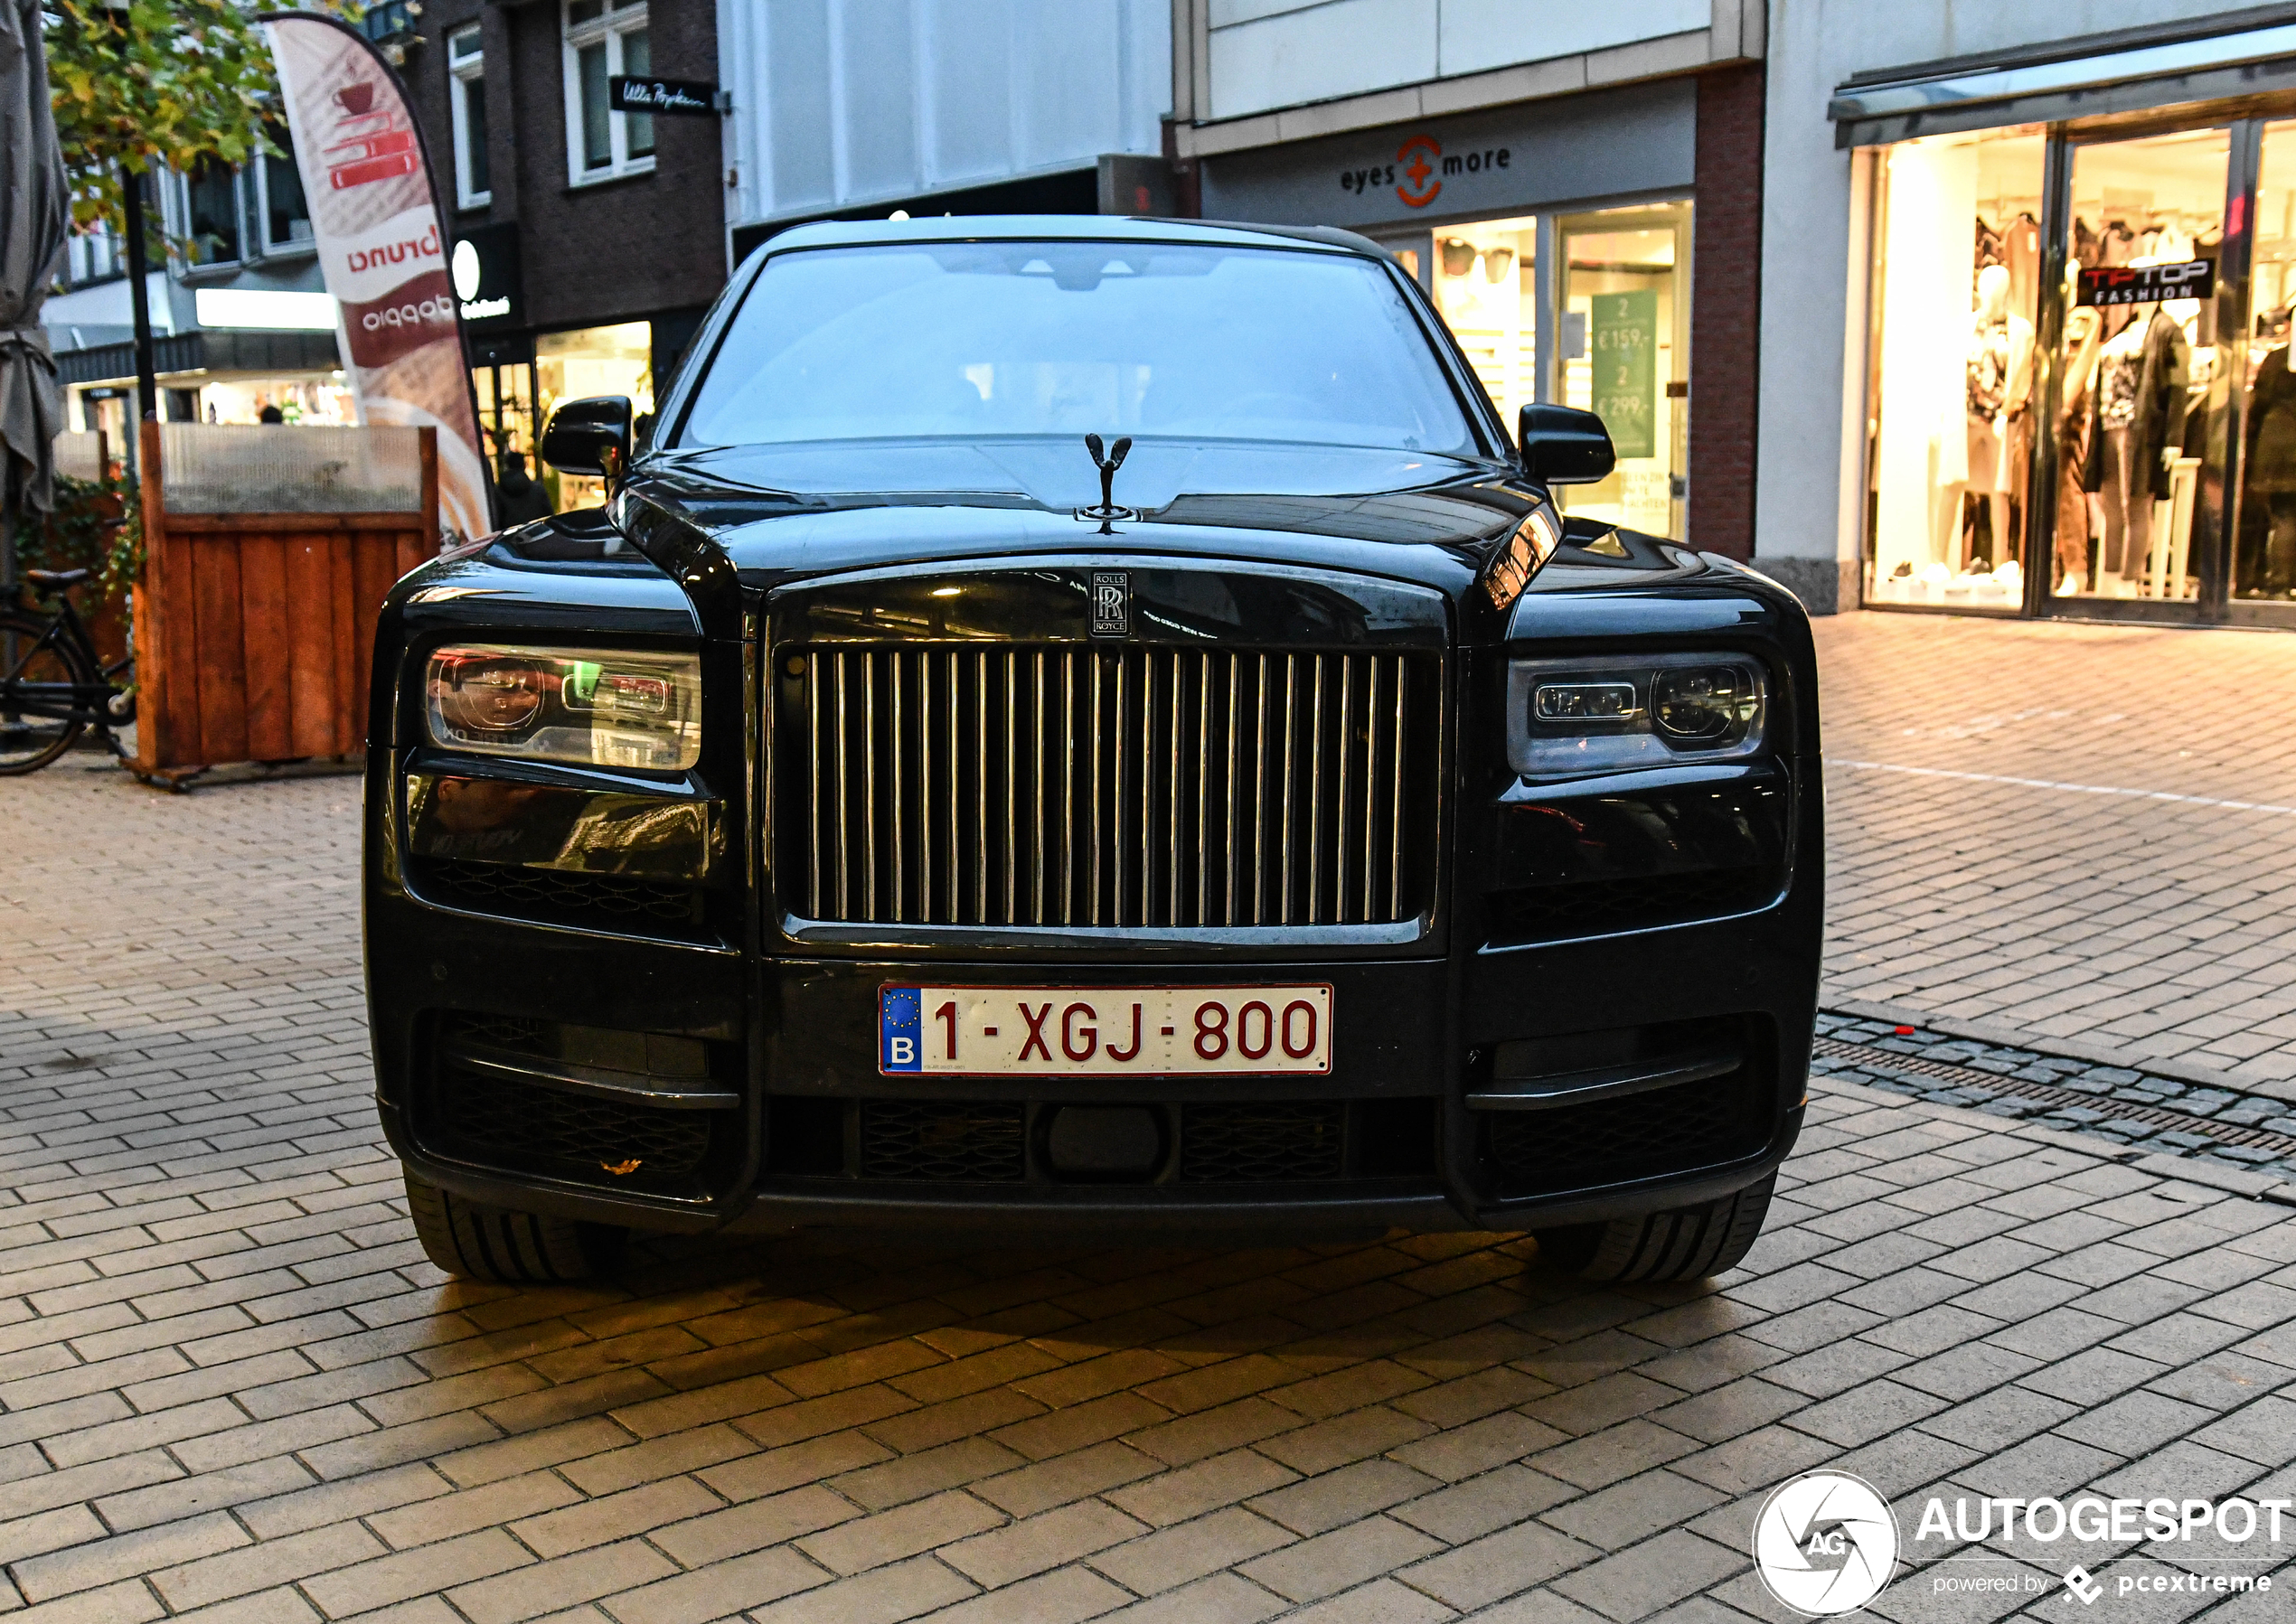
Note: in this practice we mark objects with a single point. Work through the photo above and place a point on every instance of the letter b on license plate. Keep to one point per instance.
(1138, 1031)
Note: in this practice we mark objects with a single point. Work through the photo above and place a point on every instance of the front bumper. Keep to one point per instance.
(790, 1045)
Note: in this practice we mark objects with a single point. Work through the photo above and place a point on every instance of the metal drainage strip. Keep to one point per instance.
(1963, 1076)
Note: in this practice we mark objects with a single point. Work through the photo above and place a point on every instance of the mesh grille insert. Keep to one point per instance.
(607, 898)
(1666, 1131)
(508, 1121)
(497, 1031)
(941, 1142)
(1263, 1143)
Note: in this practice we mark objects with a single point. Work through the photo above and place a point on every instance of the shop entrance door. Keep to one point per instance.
(2131, 486)
(1624, 331)
(2262, 525)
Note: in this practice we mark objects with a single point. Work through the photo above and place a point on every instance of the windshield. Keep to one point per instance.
(962, 340)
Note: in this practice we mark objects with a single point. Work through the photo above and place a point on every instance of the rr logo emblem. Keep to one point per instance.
(1111, 603)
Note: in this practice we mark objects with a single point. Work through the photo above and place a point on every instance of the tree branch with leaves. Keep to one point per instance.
(153, 85)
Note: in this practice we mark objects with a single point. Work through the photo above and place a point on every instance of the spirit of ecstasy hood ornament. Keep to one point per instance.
(1107, 512)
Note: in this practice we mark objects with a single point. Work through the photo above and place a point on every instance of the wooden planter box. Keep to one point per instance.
(254, 632)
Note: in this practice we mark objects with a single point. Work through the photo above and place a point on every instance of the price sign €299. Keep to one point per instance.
(1144, 1031)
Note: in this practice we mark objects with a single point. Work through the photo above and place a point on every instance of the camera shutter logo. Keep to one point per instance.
(1825, 1544)
(1111, 603)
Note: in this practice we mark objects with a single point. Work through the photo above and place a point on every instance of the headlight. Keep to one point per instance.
(596, 707)
(1570, 718)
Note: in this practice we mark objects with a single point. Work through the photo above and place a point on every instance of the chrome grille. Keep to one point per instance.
(1084, 787)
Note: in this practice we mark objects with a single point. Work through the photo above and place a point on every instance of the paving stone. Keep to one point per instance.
(1173, 1556)
(1341, 1558)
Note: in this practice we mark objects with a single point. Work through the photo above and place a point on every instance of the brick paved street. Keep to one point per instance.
(231, 1389)
(2150, 927)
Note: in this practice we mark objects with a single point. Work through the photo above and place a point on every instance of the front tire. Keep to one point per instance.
(1687, 1243)
(500, 1246)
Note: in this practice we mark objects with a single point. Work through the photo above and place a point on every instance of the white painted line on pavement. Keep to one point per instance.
(2050, 783)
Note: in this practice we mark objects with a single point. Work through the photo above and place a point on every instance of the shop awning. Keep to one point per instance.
(209, 351)
(2236, 53)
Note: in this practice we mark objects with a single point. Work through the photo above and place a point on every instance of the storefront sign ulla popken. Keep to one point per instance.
(693, 97)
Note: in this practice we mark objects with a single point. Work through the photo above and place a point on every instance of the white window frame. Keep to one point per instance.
(255, 178)
(610, 28)
(466, 76)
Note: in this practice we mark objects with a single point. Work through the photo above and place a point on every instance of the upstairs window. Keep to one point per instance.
(466, 93)
(286, 217)
(604, 39)
(211, 214)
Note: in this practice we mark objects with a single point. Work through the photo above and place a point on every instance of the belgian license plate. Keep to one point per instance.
(1103, 1031)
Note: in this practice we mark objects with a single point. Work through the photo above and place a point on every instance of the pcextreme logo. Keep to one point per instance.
(1825, 1542)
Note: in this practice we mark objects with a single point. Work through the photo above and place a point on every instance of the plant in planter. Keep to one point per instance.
(93, 527)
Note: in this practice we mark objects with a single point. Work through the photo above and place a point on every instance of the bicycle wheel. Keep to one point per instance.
(29, 659)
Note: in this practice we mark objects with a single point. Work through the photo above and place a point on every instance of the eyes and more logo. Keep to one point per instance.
(1825, 1544)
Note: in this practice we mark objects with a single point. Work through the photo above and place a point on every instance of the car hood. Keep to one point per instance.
(778, 513)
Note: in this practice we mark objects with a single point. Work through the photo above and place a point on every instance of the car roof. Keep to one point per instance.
(1068, 228)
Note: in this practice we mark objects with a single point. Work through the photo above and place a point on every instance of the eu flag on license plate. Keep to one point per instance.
(900, 1029)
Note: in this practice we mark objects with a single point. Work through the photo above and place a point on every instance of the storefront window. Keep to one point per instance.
(1950, 404)
(1486, 286)
(1624, 343)
(2264, 555)
(592, 360)
(506, 409)
(2141, 392)
(315, 399)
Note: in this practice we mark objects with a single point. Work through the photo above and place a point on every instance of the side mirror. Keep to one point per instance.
(1561, 446)
(591, 437)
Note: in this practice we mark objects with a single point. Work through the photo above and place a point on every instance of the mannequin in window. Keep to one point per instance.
(2119, 477)
(2077, 504)
(1999, 376)
(2269, 460)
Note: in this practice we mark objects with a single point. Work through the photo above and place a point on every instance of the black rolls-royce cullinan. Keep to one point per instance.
(1074, 727)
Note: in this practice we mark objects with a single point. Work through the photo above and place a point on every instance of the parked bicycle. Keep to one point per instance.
(54, 686)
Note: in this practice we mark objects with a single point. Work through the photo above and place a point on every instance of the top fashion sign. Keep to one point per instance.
(2146, 284)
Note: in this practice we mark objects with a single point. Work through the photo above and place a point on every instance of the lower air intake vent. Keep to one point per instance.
(1595, 908)
(1268, 1143)
(1641, 1136)
(507, 1121)
(608, 900)
(950, 1142)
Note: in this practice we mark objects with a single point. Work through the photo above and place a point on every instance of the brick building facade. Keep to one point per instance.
(597, 235)
(1726, 324)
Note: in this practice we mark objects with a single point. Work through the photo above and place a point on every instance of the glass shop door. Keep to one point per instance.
(2263, 587)
(1623, 322)
(2145, 317)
